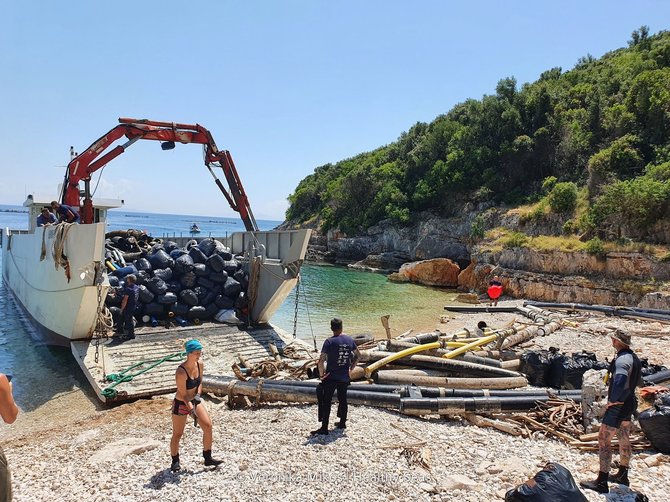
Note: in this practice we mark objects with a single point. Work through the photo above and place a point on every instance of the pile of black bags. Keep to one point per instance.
(549, 368)
(184, 285)
(655, 422)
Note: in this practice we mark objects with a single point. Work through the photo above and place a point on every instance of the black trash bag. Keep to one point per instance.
(183, 264)
(170, 246)
(224, 253)
(206, 283)
(139, 311)
(142, 276)
(190, 244)
(215, 263)
(210, 310)
(568, 372)
(197, 255)
(113, 281)
(201, 292)
(209, 298)
(180, 309)
(154, 309)
(156, 285)
(188, 297)
(145, 296)
(218, 277)
(200, 270)
(174, 286)
(113, 297)
(655, 423)
(231, 288)
(553, 483)
(241, 301)
(163, 273)
(231, 266)
(224, 302)
(207, 246)
(197, 312)
(650, 369)
(536, 365)
(160, 259)
(116, 315)
(188, 280)
(176, 253)
(241, 277)
(167, 299)
(143, 264)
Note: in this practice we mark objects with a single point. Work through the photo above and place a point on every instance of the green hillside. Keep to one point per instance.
(591, 143)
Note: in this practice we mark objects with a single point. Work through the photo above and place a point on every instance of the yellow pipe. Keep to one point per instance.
(454, 344)
(399, 355)
(465, 348)
(110, 265)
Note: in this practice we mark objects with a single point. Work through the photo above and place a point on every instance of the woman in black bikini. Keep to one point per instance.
(187, 402)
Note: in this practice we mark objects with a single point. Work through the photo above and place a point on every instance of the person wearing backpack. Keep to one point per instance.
(623, 376)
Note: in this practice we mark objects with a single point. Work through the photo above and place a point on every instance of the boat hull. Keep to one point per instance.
(60, 309)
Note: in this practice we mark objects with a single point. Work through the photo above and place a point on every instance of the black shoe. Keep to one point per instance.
(341, 425)
(620, 477)
(319, 432)
(175, 467)
(209, 460)
(130, 337)
(599, 485)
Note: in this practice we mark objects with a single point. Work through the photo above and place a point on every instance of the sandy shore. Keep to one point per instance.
(122, 453)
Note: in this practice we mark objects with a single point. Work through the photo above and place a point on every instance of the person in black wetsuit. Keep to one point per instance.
(130, 294)
(624, 374)
(187, 402)
(341, 354)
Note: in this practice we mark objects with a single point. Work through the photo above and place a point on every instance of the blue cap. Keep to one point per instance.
(192, 346)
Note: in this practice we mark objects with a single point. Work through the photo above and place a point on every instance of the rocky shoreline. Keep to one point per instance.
(122, 453)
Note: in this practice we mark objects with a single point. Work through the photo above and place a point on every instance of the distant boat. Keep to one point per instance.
(195, 229)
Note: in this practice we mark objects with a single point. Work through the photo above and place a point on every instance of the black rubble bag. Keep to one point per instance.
(655, 423)
(568, 372)
(536, 365)
(553, 483)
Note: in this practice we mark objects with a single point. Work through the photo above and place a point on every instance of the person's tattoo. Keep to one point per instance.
(605, 436)
(625, 450)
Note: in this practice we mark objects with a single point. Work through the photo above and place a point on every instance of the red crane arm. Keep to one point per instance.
(86, 163)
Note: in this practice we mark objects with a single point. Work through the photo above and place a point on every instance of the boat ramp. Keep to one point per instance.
(146, 365)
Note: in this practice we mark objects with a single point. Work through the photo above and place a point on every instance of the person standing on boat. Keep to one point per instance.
(130, 293)
(623, 376)
(339, 356)
(66, 213)
(46, 217)
(187, 402)
(8, 412)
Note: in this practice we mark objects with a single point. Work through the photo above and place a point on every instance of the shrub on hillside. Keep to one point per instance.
(563, 197)
(514, 240)
(595, 246)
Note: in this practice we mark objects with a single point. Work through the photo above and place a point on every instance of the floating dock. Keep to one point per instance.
(153, 356)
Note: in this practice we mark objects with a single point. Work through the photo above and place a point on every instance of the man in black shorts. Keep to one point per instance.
(623, 376)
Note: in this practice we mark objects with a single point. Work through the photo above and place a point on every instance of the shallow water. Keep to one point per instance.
(359, 298)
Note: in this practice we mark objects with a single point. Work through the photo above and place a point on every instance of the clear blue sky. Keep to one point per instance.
(286, 86)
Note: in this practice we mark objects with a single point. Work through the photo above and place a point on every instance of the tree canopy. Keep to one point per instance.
(603, 125)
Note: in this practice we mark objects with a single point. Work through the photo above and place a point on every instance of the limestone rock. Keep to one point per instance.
(436, 272)
(123, 448)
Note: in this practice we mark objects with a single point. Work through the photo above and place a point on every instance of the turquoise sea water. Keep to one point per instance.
(359, 298)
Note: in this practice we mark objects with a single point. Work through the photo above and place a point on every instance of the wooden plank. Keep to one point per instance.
(221, 346)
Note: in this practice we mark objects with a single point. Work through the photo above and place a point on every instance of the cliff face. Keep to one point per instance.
(632, 279)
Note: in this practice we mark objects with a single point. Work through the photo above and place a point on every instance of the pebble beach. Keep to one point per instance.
(88, 452)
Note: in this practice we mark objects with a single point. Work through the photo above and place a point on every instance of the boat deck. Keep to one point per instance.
(222, 346)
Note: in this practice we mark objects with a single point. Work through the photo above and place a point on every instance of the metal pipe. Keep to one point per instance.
(459, 405)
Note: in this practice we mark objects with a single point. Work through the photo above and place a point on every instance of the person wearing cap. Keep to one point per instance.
(339, 356)
(46, 217)
(187, 402)
(623, 376)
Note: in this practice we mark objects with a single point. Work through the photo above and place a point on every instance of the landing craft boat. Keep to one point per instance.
(57, 273)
